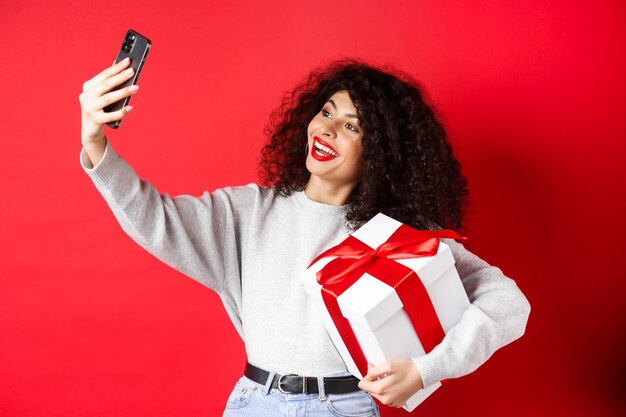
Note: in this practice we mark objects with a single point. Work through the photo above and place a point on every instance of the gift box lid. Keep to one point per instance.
(380, 228)
(377, 230)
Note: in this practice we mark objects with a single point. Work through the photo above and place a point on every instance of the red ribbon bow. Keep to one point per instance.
(354, 258)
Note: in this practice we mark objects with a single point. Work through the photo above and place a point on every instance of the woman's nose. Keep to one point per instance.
(328, 130)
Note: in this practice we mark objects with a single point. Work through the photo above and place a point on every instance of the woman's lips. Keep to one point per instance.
(322, 151)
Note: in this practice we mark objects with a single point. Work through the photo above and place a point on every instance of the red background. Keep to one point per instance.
(533, 95)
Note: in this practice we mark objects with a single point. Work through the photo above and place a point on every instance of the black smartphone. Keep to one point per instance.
(135, 47)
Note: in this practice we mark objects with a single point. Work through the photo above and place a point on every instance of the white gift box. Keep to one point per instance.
(381, 325)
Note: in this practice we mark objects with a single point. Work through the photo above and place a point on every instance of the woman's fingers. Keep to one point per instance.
(97, 95)
(96, 98)
(95, 104)
(380, 371)
(108, 84)
(114, 96)
(102, 117)
(112, 70)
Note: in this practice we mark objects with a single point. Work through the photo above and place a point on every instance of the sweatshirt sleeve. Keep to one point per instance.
(496, 317)
(194, 235)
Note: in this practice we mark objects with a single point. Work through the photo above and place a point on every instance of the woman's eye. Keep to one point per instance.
(352, 128)
(325, 113)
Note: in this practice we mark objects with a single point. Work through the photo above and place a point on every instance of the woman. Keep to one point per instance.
(349, 142)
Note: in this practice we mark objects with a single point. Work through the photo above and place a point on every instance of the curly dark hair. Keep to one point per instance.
(409, 170)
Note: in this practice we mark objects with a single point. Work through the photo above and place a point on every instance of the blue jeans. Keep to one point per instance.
(250, 399)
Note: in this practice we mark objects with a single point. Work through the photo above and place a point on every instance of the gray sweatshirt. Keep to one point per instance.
(250, 245)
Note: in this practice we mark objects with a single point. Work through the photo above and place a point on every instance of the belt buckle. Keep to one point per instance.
(280, 387)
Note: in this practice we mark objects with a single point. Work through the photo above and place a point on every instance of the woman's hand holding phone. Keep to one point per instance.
(95, 97)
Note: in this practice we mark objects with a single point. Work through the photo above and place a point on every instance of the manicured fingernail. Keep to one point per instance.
(133, 88)
(128, 71)
(125, 60)
(129, 109)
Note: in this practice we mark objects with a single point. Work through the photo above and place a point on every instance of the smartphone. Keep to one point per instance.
(135, 47)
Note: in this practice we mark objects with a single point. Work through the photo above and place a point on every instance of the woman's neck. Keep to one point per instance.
(327, 192)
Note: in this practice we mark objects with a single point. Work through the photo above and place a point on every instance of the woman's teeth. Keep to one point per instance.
(324, 150)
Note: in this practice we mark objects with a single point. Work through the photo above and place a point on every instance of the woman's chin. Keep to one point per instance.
(313, 166)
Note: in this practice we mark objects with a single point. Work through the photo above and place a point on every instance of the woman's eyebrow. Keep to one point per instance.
(347, 114)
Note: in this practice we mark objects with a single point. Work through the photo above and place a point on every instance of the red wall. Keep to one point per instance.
(533, 94)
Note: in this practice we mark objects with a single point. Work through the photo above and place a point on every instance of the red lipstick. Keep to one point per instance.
(322, 151)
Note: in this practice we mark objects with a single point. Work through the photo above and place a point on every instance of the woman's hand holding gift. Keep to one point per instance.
(392, 382)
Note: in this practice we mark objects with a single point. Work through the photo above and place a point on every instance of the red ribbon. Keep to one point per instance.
(354, 258)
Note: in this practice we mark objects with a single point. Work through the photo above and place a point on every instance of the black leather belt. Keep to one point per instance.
(295, 384)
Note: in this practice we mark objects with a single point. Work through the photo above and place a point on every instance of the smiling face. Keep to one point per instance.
(335, 147)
